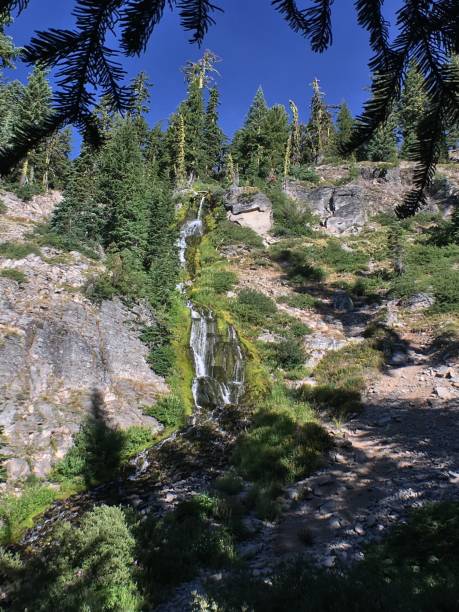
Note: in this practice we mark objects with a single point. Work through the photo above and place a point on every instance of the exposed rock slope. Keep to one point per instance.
(369, 189)
(58, 351)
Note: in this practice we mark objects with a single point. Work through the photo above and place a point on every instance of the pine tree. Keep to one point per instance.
(275, 133)
(80, 216)
(8, 51)
(411, 109)
(51, 160)
(344, 125)
(249, 143)
(162, 257)
(34, 109)
(382, 147)
(296, 135)
(10, 99)
(124, 190)
(213, 135)
(320, 129)
(140, 106)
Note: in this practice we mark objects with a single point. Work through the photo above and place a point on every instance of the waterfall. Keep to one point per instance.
(190, 229)
(217, 357)
(218, 362)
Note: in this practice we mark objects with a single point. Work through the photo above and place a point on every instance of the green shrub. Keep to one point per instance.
(348, 367)
(13, 274)
(254, 307)
(340, 260)
(303, 301)
(228, 234)
(279, 448)
(173, 549)
(161, 357)
(304, 173)
(229, 483)
(89, 567)
(43, 235)
(431, 269)
(336, 401)
(290, 217)
(28, 191)
(168, 410)
(18, 511)
(18, 250)
(3, 207)
(298, 263)
(288, 354)
(99, 451)
(223, 281)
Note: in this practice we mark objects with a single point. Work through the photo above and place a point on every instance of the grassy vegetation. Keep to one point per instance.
(169, 411)
(298, 263)
(18, 250)
(18, 511)
(302, 301)
(13, 274)
(291, 219)
(229, 234)
(416, 569)
(341, 377)
(284, 443)
(195, 535)
(3, 207)
(43, 235)
(99, 451)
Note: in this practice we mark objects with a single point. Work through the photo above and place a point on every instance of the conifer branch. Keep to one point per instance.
(196, 17)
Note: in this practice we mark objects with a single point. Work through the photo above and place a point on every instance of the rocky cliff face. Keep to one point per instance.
(249, 207)
(344, 209)
(58, 351)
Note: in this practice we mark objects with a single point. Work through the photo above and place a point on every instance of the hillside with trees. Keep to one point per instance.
(229, 365)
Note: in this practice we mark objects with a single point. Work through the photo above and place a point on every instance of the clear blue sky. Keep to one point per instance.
(257, 48)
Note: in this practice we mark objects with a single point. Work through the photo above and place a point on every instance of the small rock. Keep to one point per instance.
(359, 530)
(443, 393)
(419, 301)
(342, 301)
(329, 561)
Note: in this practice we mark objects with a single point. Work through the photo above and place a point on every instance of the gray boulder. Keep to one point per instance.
(340, 209)
(419, 301)
(249, 207)
(342, 301)
(246, 199)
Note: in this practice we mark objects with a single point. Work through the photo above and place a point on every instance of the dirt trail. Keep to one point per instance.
(400, 452)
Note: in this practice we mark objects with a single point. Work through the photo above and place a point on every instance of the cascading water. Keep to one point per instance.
(218, 362)
(190, 229)
(217, 356)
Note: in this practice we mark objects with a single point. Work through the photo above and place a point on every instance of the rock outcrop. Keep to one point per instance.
(58, 351)
(344, 209)
(251, 208)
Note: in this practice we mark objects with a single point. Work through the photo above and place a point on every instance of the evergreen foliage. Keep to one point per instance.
(411, 108)
(320, 129)
(344, 127)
